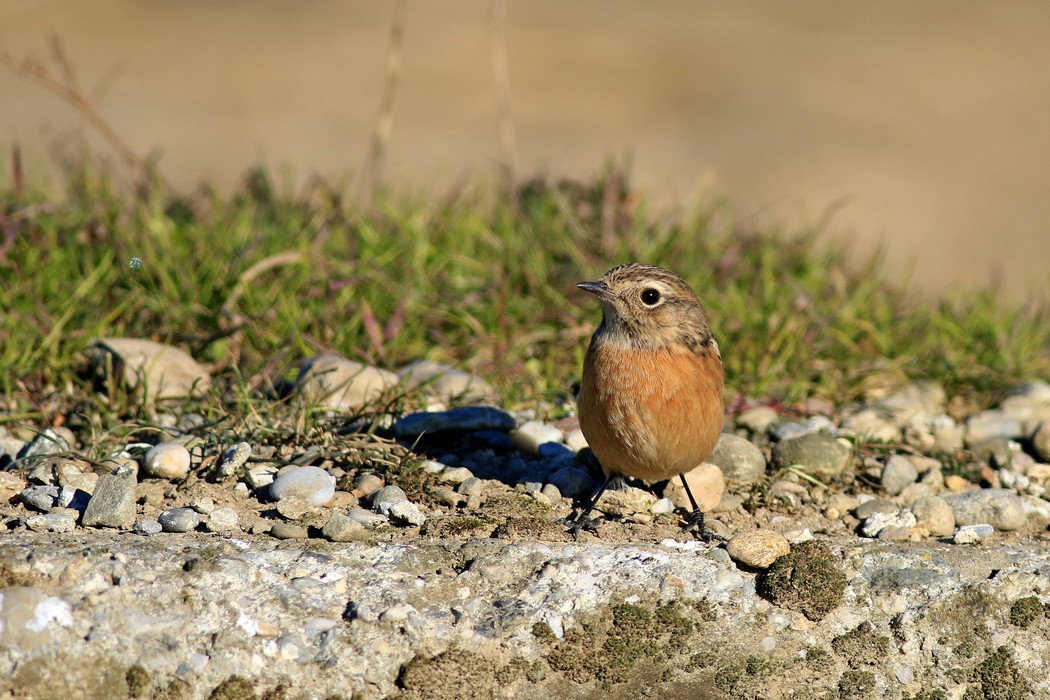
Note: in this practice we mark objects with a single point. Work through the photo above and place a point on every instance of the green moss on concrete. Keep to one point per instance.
(861, 646)
(807, 579)
(857, 685)
(1025, 611)
(998, 678)
(139, 681)
(450, 675)
(233, 688)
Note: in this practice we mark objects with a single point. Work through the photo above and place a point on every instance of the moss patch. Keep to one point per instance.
(233, 688)
(1025, 611)
(856, 685)
(807, 579)
(998, 678)
(861, 646)
(448, 676)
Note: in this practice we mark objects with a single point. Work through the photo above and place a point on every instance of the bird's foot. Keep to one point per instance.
(581, 522)
(695, 524)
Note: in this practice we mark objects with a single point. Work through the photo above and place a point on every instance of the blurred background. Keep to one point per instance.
(923, 127)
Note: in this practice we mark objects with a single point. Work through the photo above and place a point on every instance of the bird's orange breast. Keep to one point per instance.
(650, 414)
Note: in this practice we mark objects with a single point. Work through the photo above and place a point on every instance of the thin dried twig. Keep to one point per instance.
(67, 86)
(371, 175)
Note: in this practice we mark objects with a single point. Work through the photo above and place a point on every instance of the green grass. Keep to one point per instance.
(484, 279)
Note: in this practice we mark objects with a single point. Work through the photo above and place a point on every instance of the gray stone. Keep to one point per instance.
(625, 502)
(935, 513)
(1041, 442)
(741, 462)
(456, 475)
(874, 505)
(757, 419)
(367, 484)
(112, 504)
(342, 528)
(757, 549)
(572, 482)
(869, 425)
(312, 485)
(897, 473)
(179, 520)
(47, 442)
(991, 424)
(817, 454)
(147, 527)
(52, 522)
(234, 458)
(367, 518)
(42, 498)
(288, 531)
(168, 460)
(388, 495)
(471, 487)
(165, 371)
(403, 513)
(875, 523)
(1002, 509)
(971, 534)
(467, 418)
(295, 508)
(445, 383)
(222, 520)
(339, 384)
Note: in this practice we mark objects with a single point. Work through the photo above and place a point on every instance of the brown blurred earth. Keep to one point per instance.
(922, 125)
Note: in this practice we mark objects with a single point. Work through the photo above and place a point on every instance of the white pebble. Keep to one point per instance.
(968, 534)
(310, 484)
(532, 434)
(168, 460)
(575, 440)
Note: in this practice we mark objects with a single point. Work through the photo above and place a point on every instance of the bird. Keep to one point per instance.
(650, 404)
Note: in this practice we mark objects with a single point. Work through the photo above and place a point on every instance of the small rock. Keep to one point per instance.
(913, 492)
(468, 418)
(52, 522)
(869, 425)
(877, 522)
(310, 484)
(471, 487)
(284, 530)
(367, 484)
(42, 498)
(456, 475)
(625, 502)
(342, 528)
(572, 482)
(168, 460)
(179, 520)
(1041, 442)
(936, 514)
(757, 549)
(295, 508)
(874, 505)
(706, 483)
(1000, 508)
(898, 473)
(948, 436)
(818, 454)
(48, 442)
(957, 484)
(367, 518)
(388, 495)
(740, 461)
(222, 520)
(203, 505)
(260, 475)
(165, 371)
(113, 502)
(757, 419)
(147, 527)
(662, 506)
(969, 534)
(448, 497)
(403, 513)
(575, 440)
(551, 492)
(445, 383)
(234, 458)
(532, 434)
(991, 424)
(340, 384)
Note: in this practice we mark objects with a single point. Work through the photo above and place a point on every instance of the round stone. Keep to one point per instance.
(935, 513)
(740, 461)
(147, 527)
(289, 531)
(757, 419)
(625, 502)
(1041, 442)
(366, 484)
(572, 482)
(168, 460)
(310, 484)
(757, 549)
(816, 453)
(706, 483)
(532, 434)
(1000, 508)
(222, 520)
(389, 495)
(179, 520)
(898, 473)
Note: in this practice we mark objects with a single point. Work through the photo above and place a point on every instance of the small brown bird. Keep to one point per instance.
(651, 401)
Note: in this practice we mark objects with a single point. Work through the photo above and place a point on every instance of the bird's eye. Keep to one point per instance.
(650, 297)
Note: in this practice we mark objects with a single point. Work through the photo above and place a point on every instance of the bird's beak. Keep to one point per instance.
(599, 289)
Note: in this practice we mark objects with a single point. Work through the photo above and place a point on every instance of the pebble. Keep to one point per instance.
(52, 522)
(991, 424)
(530, 436)
(342, 528)
(179, 520)
(456, 475)
(222, 520)
(874, 505)
(757, 419)
(48, 442)
(877, 522)
(741, 462)
(838, 504)
(112, 504)
(471, 487)
(42, 498)
(388, 495)
(310, 484)
(1000, 508)
(467, 418)
(818, 454)
(551, 492)
(367, 518)
(662, 506)
(868, 425)
(168, 460)
(339, 384)
(234, 458)
(445, 383)
(935, 513)
(572, 482)
(147, 527)
(706, 483)
(403, 513)
(757, 549)
(260, 475)
(164, 370)
(575, 440)
(625, 502)
(1041, 442)
(898, 473)
(969, 534)
(948, 436)
(283, 530)
(295, 508)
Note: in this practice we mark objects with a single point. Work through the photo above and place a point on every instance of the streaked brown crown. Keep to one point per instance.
(649, 307)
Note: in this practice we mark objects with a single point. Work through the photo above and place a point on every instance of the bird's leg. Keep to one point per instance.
(582, 521)
(695, 520)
